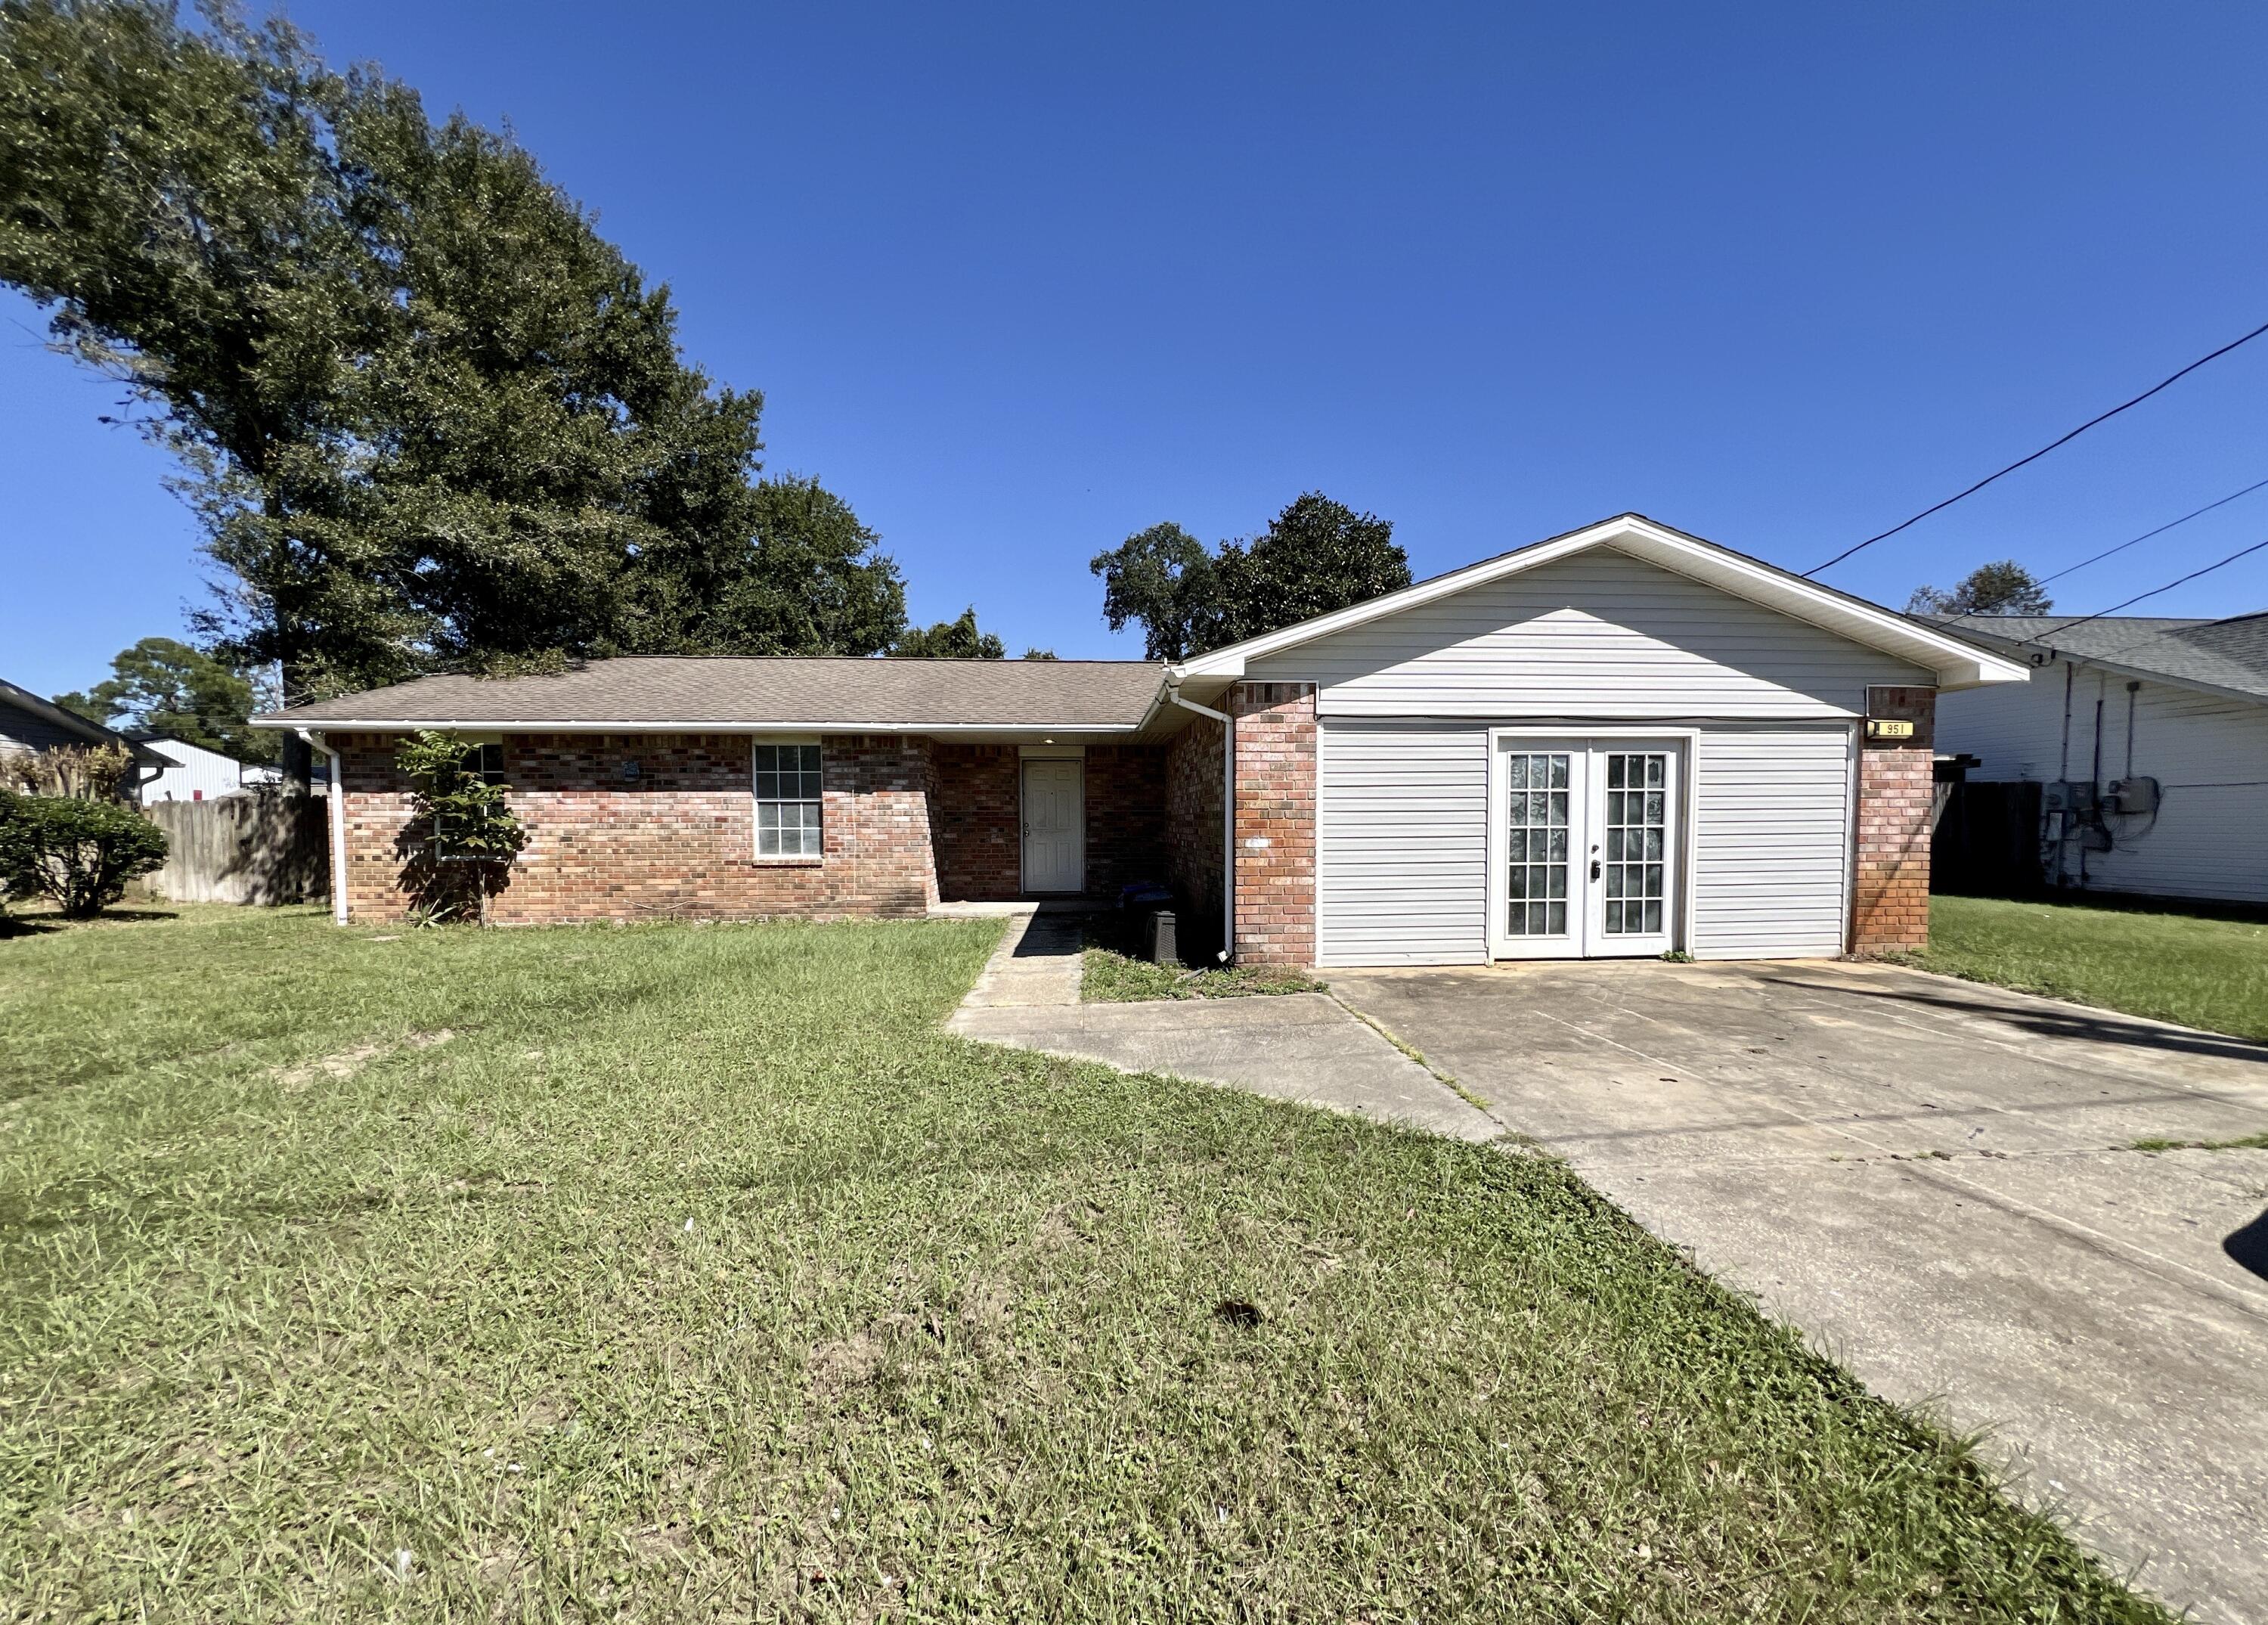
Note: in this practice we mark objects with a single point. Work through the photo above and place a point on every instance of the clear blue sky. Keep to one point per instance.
(1019, 282)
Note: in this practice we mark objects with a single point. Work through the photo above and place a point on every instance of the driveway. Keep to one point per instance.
(1929, 1178)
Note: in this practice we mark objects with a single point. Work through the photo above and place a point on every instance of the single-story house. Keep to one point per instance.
(192, 772)
(29, 724)
(1621, 741)
(2148, 738)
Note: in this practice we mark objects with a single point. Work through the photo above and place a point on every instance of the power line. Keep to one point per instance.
(2152, 593)
(2133, 542)
(2043, 451)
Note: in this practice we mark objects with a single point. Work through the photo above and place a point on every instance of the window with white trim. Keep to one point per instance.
(787, 801)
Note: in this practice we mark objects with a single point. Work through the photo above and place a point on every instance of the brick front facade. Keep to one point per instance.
(905, 823)
(1194, 834)
(1889, 904)
(1275, 882)
(675, 841)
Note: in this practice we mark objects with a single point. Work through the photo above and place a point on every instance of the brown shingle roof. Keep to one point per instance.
(648, 691)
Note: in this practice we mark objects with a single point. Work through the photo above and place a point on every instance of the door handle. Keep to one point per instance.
(1594, 869)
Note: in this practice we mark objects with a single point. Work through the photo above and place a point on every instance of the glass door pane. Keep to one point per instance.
(1537, 832)
(1636, 824)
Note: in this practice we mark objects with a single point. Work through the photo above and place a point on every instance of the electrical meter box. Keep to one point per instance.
(2134, 795)
(2067, 795)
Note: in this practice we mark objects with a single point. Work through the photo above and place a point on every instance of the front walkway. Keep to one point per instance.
(1302, 1047)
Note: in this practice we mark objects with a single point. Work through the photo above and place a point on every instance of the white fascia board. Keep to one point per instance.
(1958, 663)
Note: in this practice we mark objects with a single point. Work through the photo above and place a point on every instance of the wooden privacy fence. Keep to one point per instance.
(259, 846)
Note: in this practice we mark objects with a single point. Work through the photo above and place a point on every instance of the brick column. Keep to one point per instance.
(1275, 881)
(1890, 905)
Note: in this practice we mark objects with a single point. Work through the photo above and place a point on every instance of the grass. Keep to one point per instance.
(2242, 1142)
(670, 1273)
(1114, 978)
(2200, 971)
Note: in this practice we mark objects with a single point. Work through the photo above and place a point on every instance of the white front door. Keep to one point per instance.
(1583, 845)
(1055, 824)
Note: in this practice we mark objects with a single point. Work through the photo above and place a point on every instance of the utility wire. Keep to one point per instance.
(2136, 541)
(2043, 451)
(2152, 593)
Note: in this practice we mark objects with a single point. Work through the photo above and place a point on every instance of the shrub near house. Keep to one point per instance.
(67, 839)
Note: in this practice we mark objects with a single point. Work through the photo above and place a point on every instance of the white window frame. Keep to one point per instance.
(757, 802)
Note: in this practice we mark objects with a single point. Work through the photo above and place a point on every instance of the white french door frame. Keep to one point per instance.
(1582, 741)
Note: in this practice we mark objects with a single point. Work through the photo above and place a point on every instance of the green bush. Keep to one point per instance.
(78, 854)
(458, 849)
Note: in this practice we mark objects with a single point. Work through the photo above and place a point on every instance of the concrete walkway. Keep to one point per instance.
(1936, 1181)
(1302, 1047)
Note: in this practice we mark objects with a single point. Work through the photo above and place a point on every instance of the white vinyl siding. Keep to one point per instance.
(1599, 635)
(1402, 874)
(1402, 843)
(1771, 849)
(2208, 753)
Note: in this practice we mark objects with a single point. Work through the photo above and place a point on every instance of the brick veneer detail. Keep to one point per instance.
(1193, 832)
(1275, 881)
(976, 819)
(676, 841)
(1889, 908)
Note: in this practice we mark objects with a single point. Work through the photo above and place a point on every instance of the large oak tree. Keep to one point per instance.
(427, 415)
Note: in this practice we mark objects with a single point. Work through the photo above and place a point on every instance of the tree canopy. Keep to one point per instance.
(1315, 556)
(427, 416)
(162, 685)
(2003, 588)
(956, 640)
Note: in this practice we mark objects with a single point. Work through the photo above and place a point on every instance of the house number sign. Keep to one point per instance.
(1888, 728)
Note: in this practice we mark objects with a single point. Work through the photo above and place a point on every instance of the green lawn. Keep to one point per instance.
(2203, 973)
(671, 1272)
(1113, 978)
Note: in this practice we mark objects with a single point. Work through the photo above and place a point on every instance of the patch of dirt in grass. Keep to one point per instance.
(343, 1064)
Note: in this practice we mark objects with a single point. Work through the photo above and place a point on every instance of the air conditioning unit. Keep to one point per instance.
(2133, 796)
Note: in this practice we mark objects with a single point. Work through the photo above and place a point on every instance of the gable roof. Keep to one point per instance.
(68, 721)
(1958, 663)
(758, 693)
(2225, 656)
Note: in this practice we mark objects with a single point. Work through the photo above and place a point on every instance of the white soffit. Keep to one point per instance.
(1958, 663)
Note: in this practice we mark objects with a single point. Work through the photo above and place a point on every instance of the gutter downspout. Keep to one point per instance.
(335, 817)
(1227, 816)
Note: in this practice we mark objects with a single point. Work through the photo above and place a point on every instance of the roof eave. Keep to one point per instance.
(1958, 663)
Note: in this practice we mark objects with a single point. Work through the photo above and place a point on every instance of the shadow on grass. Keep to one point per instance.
(45, 923)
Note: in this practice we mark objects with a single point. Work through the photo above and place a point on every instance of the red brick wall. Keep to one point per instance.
(1193, 832)
(1275, 882)
(1125, 816)
(677, 841)
(974, 821)
(1890, 894)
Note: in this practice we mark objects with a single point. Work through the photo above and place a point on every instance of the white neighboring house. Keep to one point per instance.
(2149, 738)
(194, 773)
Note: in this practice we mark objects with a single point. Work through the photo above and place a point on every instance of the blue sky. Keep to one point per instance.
(1018, 282)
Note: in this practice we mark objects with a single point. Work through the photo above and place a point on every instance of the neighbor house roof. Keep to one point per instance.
(2229, 656)
(748, 694)
(69, 722)
(1957, 662)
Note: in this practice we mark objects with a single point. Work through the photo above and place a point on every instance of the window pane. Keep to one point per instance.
(1517, 767)
(1558, 925)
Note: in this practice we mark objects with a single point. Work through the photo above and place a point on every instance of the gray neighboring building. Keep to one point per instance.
(29, 723)
(2148, 736)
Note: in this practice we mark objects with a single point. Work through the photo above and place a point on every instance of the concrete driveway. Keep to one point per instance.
(1930, 1179)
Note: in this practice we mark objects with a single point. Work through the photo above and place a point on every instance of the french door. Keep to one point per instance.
(1584, 847)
